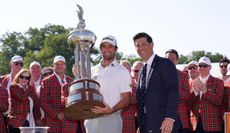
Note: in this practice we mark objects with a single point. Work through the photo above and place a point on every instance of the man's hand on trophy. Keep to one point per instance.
(102, 110)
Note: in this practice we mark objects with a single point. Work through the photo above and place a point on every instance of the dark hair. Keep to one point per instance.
(224, 60)
(173, 51)
(143, 34)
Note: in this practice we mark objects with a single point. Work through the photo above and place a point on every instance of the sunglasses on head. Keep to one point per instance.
(136, 71)
(203, 65)
(47, 74)
(24, 77)
(223, 66)
(192, 67)
(18, 63)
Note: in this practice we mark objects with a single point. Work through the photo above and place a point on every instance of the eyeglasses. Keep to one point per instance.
(192, 67)
(223, 66)
(136, 71)
(203, 65)
(18, 63)
(24, 77)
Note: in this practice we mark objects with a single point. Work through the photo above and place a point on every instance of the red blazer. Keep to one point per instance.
(210, 105)
(128, 114)
(21, 106)
(183, 106)
(50, 97)
(3, 108)
(4, 80)
(69, 126)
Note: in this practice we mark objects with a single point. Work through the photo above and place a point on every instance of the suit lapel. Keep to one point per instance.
(139, 79)
(151, 71)
(56, 81)
(209, 83)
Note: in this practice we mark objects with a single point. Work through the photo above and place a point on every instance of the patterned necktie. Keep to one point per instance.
(143, 88)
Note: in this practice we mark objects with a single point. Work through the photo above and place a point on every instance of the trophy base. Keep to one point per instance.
(83, 96)
(82, 110)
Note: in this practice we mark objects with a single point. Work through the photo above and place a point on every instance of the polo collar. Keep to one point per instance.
(112, 64)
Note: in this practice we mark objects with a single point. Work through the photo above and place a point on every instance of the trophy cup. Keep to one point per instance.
(83, 91)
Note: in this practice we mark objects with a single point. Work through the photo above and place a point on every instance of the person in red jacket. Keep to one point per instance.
(129, 113)
(70, 126)
(223, 65)
(3, 108)
(25, 103)
(16, 64)
(207, 99)
(50, 96)
(193, 74)
(184, 91)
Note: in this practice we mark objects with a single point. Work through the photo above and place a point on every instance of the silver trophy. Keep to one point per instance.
(83, 91)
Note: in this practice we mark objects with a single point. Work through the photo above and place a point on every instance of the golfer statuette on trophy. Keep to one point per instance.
(83, 91)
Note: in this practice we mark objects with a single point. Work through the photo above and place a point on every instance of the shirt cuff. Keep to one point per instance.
(170, 119)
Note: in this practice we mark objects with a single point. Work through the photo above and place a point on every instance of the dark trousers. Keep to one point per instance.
(17, 130)
(180, 128)
(5, 121)
(79, 127)
(199, 128)
(183, 130)
(136, 123)
(13, 130)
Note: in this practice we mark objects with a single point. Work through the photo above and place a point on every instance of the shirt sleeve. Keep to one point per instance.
(126, 82)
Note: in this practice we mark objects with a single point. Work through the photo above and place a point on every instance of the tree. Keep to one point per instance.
(11, 44)
(183, 59)
(196, 55)
(38, 44)
(132, 58)
(45, 43)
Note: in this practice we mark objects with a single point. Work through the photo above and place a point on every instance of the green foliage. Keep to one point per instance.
(132, 58)
(11, 44)
(183, 59)
(4, 61)
(45, 43)
(36, 44)
(57, 45)
(196, 55)
(41, 45)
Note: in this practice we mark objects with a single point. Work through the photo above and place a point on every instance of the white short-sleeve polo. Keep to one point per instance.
(114, 80)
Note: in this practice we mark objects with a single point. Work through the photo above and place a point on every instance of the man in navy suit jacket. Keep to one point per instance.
(157, 107)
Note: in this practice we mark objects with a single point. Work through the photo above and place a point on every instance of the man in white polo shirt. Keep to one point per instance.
(115, 84)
